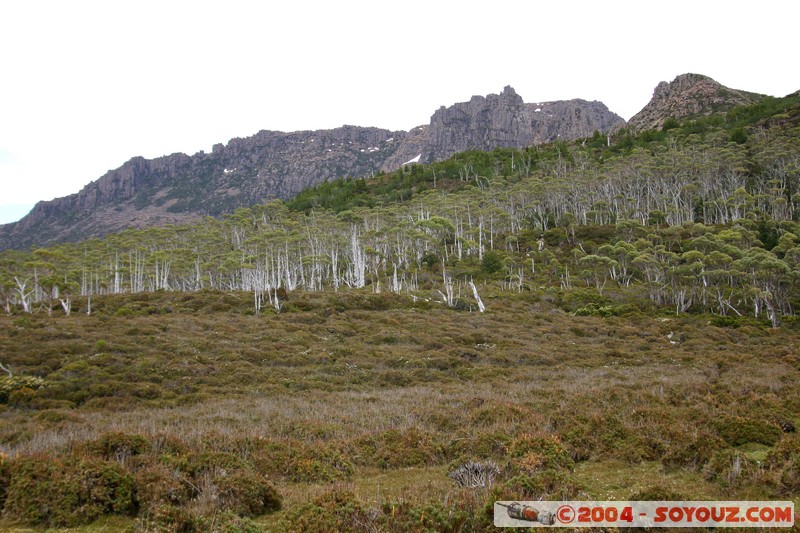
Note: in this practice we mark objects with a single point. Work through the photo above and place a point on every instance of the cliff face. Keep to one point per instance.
(506, 121)
(246, 171)
(688, 95)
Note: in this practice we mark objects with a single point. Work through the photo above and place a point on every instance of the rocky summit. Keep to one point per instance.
(688, 95)
(246, 171)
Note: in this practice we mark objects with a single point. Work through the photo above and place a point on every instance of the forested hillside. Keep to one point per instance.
(699, 216)
(610, 318)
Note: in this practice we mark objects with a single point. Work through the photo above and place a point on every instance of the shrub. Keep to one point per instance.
(545, 484)
(533, 453)
(166, 519)
(492, 413)
(246, 493)
(738, 430)
(171, 519)
(484, 445)
(691, 451)
(15, 384)
(604, 435)
(5, 473)
(43, 490)
(458, 515)
(298, 461)
(582, 298)
(56, 417)
(593, 309)
(332, 511)
(790, 477)
(726, 321)
(730, 467)
(195, 464)
(491, 263)
(784, 459)
(159, 485)
(119, 446)
(785, 450)
(398, 449)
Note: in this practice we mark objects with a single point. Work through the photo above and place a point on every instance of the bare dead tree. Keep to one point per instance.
(473, 475)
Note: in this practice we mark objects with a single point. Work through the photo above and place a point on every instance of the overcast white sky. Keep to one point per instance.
(86, 85)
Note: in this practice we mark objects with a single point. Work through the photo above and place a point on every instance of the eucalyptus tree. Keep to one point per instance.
(771, 280)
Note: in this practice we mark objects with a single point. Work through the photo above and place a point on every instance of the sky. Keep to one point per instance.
(86, 85)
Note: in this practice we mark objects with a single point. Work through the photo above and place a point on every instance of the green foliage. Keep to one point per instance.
(246, 493)
(738, 136)
(299, 461)
(545, 484)
(691, 450)
(726, 321)
(491, 262)
(533, 453)
(118, 445)
(27, 385)
(731, 467)
(44, 490)
(159, 485)
(738, 430)
(331, 511)
(171, 519)
(593, 309)
(398, 449)
(415, 385)
(670, 123)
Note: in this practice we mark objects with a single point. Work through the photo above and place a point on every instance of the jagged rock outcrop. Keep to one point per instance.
(504, 120)
(246, 171)
(688, 95)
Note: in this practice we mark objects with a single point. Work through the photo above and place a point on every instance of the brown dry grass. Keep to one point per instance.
(373, 375)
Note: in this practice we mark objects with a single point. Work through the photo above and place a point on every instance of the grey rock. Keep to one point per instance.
(180, 188)
(688, 95)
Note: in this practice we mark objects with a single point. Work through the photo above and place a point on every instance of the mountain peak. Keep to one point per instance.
(508, 90)
(686, 96)
(246, 171)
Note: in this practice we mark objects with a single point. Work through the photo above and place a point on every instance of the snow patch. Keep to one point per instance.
(227, 171)
(415, 160)
(537, 110)
(390, 139)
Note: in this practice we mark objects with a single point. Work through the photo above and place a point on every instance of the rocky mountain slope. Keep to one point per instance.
(179, 188)
(688, 95)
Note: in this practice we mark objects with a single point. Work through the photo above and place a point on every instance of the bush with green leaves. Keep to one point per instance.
(300, 461)
(57, 492)
(11, 384)
(731, 468)
(171, 519)
(738, 430)
(332, 511)
(398, 449)
(531, 453)
(691, 450)
(784, 460)
(117, 445)
(246, 493)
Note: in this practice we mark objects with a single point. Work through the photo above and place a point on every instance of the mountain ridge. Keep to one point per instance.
(179, 188)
